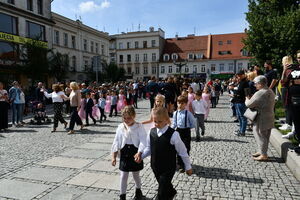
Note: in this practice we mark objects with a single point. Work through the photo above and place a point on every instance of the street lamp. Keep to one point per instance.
(180, 64)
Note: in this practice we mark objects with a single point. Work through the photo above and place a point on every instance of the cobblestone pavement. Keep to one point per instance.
(37, 164)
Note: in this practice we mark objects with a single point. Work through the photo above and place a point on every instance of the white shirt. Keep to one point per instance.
(22, 97)
(176, 141)
(199, 107)
(134, 134)
(56, 97)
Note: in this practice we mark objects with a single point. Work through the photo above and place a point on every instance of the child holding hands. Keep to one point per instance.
(130, 140)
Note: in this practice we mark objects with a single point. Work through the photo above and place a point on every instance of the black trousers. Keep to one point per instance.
(152, 99)
(185, 135)
(295, 91)
(58, 106)
(3, 115)
(74, 118)
(213, 102)
(102, 115)
(112, 108)
(165, 187)
(87, 114)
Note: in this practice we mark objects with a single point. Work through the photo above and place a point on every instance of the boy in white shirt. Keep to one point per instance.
(199, 109)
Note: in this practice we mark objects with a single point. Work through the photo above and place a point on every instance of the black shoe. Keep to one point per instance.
(237, 133)
(138, 194)
(173, 193)
(236, 120)
(242, 134)
(123, 197)
(181, 170)
(202, 133)
(94, 122)
(197, 139)
(86, 125)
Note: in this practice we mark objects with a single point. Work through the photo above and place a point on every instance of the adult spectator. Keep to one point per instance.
(169, 91)
(153, 90)
(39, 95)
(3, 108)
(239, 99)
(263, 101)
(22, 105)
(271, 75)
(75, 99)
(67, 102)
(14, 98)
(291, 80)
(195, 85)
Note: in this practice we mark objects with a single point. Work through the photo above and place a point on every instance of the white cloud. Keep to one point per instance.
(91, 6)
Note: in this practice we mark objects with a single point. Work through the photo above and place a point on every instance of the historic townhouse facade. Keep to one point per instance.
(85, 46)
(138, 52)
(21, 21)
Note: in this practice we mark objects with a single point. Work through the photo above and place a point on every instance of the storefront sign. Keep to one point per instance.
(20, 40)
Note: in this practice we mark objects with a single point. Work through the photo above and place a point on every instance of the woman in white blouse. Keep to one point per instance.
(58, 97)
(3, 108)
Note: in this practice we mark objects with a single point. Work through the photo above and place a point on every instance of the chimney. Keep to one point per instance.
(191, 35)
(209, 44)
(176, 36)
(151, 29)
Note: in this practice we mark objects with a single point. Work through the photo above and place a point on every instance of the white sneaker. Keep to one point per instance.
(285, 127)
(289, 135)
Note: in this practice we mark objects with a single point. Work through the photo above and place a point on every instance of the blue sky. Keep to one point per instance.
(173, 16)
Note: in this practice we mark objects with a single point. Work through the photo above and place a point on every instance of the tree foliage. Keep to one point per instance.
(274, 29)
(59, 63)
(113, 73)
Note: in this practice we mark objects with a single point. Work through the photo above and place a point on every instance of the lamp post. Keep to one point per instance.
(180, 64)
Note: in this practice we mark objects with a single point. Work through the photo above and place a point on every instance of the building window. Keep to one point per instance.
(202, 68)
(166, 57)
(230, 67)
(177, 69)
(85, 45)
(213, 67)
(221, 67)
(8, 24)
(186, 69)
(128, 45)
(199, 56)
(224, 52)
(240, 66)
(35, 31)
(174, 56)
(170, 69)
(86, 65)
(128, 58)
(136, 44)
(73, 38)
(129, 71)
(11, 1)
(153, 43)
(97, 48)
(153, 69)
(102, 49)
(65, 39)
(162, 69)
(121, 58)
(40, 6)
(144, 44)
(220, 42)
(8, 51)
(153, 56)
(56, 37)
(74, 62)
(245, 52)
(145, 57)
(191, 56)
(137, 57)
(137, 70)
(145, 69)
(29, 5)
(228, 41)
(120, 45)
(195, 69)
(92, 46)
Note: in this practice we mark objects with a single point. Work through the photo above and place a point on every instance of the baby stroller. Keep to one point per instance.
(40, 116)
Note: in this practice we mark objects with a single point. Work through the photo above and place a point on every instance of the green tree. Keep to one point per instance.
(274, 29)
(113, 73)
(59, 63)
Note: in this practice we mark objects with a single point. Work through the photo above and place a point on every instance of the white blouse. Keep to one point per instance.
(134, 134)
(56, 97)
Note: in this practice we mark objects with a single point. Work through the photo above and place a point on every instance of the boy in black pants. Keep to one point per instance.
(183, 122)
(89, 109)
(163, 143)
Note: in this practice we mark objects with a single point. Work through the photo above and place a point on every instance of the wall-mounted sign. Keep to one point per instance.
(21, 40)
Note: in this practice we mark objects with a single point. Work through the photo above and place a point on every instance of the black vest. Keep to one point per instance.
(163, 154)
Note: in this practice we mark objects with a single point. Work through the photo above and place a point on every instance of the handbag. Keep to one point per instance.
(295, 100)
(251, 114)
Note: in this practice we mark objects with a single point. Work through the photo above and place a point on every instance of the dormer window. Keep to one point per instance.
(244, 52)
(166, 57)
(199, 56)
(174, 56)
(190, 56)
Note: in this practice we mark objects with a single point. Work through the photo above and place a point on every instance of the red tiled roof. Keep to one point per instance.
(235, 47)
(184, 45)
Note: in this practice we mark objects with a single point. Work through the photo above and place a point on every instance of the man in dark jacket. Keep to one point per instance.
(89, 109)
(153, 89)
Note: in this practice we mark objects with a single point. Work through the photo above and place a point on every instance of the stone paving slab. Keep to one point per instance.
(20, 190)
(108, 181)
(96, 196)
(84, 153)
(99, 146)
(103, 140)
(67, 162)
(45, 174)
(85, 179)
(63, 193)
(103, 165)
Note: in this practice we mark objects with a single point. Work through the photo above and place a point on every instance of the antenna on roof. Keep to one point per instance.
(75, 16)
(132, 27)
(118, 31)
(139, 27)
(194, 30)
(80, 18)
(103, 28)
